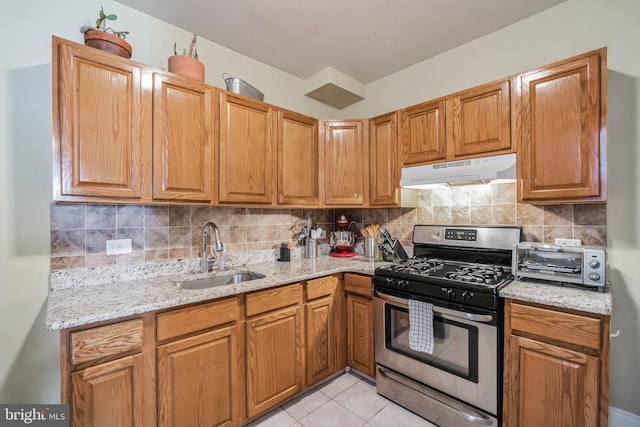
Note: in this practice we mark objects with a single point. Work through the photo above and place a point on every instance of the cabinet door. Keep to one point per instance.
(344, 163)
(360, 354)
(183, 140)
(120, 383)
(275, 357)
(479, 119)
(320, 339)
(384, 162)
(297, 159)
(247, 150)
(199, 381)
(424, 133)
(551, 386)
(561, 131)
(101, 119)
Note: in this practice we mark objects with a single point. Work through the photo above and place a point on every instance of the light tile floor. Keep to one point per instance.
(345, 401)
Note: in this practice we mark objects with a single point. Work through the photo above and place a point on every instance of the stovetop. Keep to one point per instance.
(452, 282)
(424, 269)
(462, 265)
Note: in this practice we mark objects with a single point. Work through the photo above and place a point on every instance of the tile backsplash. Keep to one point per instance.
(79, 232)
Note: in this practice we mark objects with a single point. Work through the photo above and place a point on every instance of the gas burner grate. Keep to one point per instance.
(485, 274)
(420, 266)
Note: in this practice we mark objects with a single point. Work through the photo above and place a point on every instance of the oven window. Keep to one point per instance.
(455, 344)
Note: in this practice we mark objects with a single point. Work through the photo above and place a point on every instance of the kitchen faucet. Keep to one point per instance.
(219, 246)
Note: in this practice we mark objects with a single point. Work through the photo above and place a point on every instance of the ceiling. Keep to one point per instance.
(364, 39)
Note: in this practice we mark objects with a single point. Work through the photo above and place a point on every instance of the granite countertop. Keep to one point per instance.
(556, 295)
(82, 305)
(77, 306)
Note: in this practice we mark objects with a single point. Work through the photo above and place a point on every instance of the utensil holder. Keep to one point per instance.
(369, 247)
(311, 248)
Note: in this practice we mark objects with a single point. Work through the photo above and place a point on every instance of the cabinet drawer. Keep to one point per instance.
(263, 301)
(105, 341)
(196, 318)
(322, 287)
(356, 284)
(557, 325)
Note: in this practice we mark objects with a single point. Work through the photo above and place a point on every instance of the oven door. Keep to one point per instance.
(464, 362)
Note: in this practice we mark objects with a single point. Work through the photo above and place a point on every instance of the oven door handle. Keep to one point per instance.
(474, 317)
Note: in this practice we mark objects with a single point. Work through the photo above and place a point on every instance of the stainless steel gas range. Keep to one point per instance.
(438, 324)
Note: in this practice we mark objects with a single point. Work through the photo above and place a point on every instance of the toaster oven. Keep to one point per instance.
(582, 265)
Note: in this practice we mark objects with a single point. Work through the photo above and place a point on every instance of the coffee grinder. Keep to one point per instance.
(342, 240)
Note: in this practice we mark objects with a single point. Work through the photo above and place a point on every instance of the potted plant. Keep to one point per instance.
(106, 38)
(187, 65)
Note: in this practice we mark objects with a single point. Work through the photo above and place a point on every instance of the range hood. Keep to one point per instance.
(482, 169)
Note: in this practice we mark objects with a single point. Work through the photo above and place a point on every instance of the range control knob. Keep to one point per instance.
(402, 284)
(451, 294)
(466, 296)
(390, 282)
(594, 263)
(594, 276)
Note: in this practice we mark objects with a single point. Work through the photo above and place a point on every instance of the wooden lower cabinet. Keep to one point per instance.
(556, 367)
(198, 380)
(324, 334)
(200, 377)
(107, 374)
(274, 347)
(119, 382)
(217, 363)
(360, 347)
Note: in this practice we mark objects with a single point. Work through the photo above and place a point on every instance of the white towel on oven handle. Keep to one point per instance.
(421, 326)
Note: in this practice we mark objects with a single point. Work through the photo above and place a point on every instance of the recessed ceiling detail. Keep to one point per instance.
(334, 88)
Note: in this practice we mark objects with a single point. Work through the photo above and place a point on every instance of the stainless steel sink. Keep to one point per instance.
(228, 279)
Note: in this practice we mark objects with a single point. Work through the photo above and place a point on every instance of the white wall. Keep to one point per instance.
(573, 27)
(29, 355)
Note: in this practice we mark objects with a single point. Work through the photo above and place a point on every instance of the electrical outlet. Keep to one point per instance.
(569, 242)
(118, 247)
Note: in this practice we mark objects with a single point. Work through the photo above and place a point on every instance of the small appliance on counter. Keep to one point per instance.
(582, 265)
(343, 239)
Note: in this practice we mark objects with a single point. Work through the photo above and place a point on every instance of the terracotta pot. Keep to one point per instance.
(108, 42)
(187, 66)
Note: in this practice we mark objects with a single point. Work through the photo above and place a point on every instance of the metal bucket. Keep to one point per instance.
(241, 87)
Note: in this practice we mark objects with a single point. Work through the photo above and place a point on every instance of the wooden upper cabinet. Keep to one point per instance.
(247, 150)
(344, 162)
(561, 131)
(384, 161)
(183, 140)
(424, 133)
(479, 119)
(298, 182)
(101, 125)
